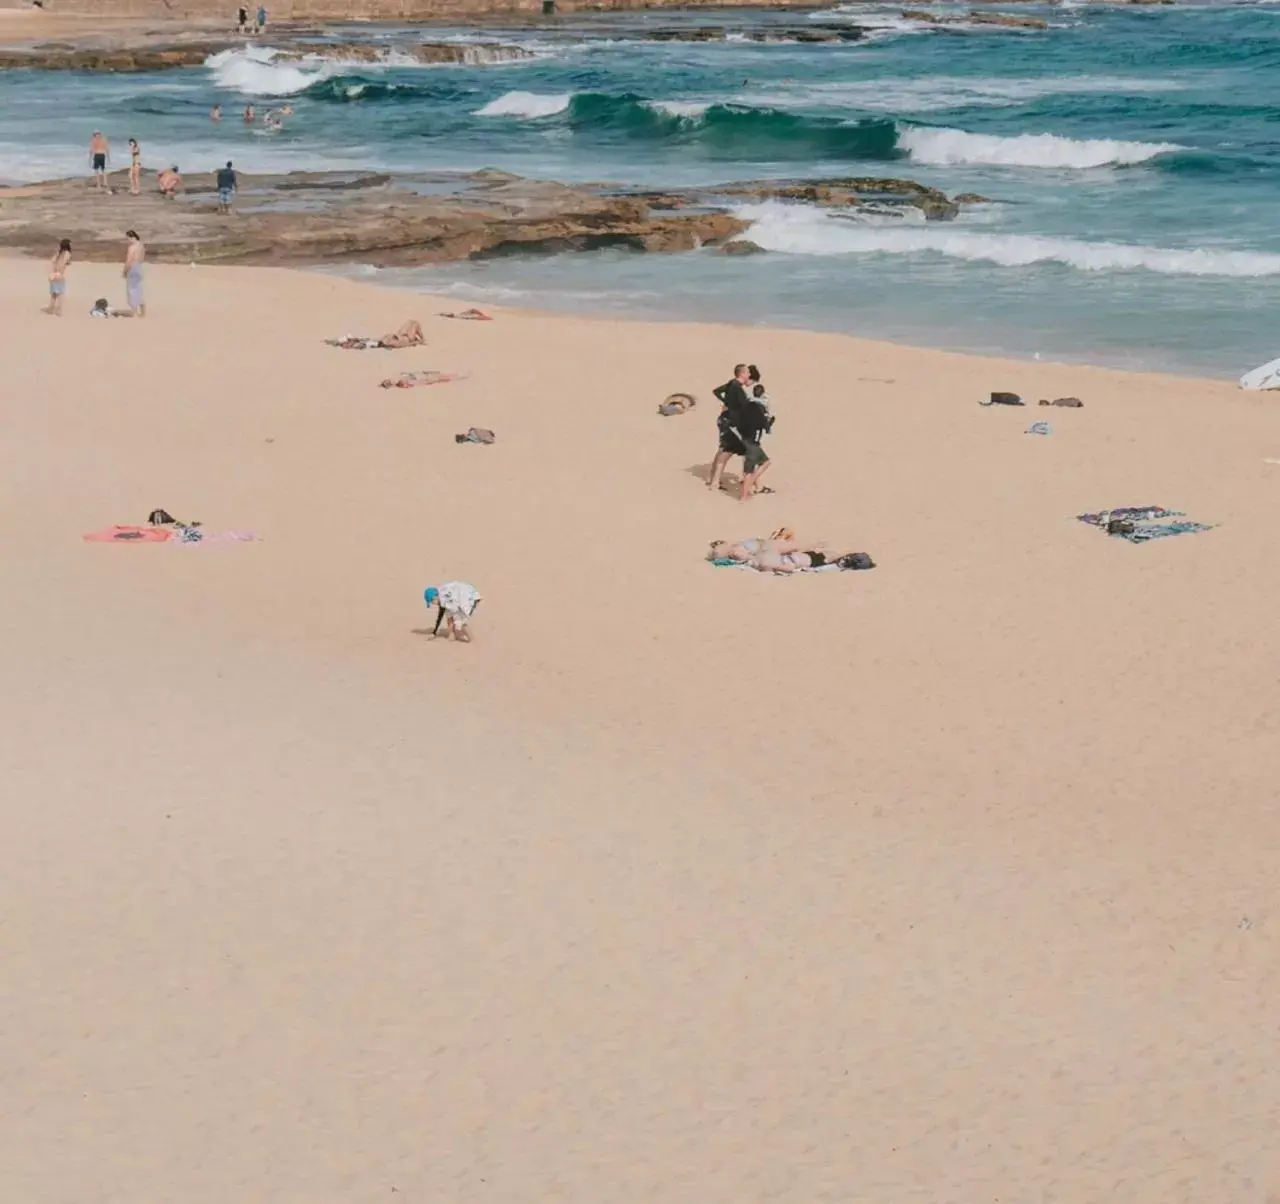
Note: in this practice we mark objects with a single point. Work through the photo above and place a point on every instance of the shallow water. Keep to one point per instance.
(1131, 155)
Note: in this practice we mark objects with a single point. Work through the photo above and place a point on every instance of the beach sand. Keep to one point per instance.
(950, 881)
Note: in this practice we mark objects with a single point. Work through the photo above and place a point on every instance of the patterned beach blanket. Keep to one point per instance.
(1142, 524)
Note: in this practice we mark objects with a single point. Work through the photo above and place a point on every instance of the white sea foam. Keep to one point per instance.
(253, 72)
(689, 110)
(803, 230)
(941, 146)
(934, 92)
(526, 104)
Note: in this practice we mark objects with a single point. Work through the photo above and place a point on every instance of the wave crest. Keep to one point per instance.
(942, 147)
(801, 230)
(526, 104)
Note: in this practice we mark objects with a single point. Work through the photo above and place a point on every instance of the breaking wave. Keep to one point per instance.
(803, 230)
(942, 147)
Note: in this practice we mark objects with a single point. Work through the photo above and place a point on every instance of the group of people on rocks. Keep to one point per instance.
(743, 422)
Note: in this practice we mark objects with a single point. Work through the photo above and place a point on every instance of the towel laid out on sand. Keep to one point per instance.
(416, 380)
(179, 534)
(476, 434)
(470, 315)
(677, 403)
(1142, 524)
(129, 534)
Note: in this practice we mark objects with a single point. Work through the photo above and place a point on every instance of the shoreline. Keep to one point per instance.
(427, 298)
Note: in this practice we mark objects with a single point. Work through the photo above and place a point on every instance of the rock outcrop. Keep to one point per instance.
(974, 17)
(814, 33)
(389, 221)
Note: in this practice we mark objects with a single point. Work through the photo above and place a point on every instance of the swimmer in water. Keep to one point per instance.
(215, 114)
(249, 115)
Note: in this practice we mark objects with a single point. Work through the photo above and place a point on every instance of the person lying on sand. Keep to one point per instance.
(470, 315)
(416, 380)
(456, 603)
(102, 310)
(782, 540)
(780, 553)
(409, 335)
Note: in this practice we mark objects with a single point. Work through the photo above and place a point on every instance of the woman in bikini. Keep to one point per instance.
(135, 167)
(58, 278)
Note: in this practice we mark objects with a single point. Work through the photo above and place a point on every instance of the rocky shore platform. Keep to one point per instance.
(407, 220)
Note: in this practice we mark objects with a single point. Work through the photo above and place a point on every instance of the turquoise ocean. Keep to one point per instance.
(1132, 156)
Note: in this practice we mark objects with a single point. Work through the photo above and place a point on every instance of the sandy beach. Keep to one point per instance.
(949, 881)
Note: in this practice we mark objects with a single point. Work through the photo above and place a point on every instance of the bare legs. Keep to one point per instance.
(717, 469)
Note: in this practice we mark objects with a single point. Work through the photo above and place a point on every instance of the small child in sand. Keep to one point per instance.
(456, 603)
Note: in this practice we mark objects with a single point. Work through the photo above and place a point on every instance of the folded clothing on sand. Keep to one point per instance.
(354, 342)
(1141, 524)
(677, 403)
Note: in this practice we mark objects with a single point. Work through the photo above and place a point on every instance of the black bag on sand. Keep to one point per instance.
(161, 518)
(856, 560)
(1003, 399)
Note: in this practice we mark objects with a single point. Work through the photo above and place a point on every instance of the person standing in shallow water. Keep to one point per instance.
(58, 277)
(135, 254)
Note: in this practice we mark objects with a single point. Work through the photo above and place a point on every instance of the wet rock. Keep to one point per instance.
(972, 198)
(974, 18)
(720, 33)
(742, 246)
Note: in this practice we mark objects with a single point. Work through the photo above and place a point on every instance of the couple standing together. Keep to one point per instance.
(744, 420)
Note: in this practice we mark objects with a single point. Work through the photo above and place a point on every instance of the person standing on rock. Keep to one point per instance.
(242, 19)
(135, 167)
(135, 254)
(227, 185)
(99, 154)
(262, 18)
(58, 278)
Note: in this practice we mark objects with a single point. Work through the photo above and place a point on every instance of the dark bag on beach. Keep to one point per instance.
(161, 518)
(1004, 399)
(856, 560)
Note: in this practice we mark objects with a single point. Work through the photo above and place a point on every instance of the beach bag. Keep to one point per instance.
(160, 518)
(475, 435)
(1004, 399)
(856, 560)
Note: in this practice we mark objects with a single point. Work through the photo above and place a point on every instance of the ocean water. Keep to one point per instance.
(1132, 156)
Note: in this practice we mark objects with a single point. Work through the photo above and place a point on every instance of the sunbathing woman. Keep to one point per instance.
(744, 551)
(409, 335)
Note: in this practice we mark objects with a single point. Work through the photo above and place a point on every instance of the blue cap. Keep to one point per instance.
(431, 595)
